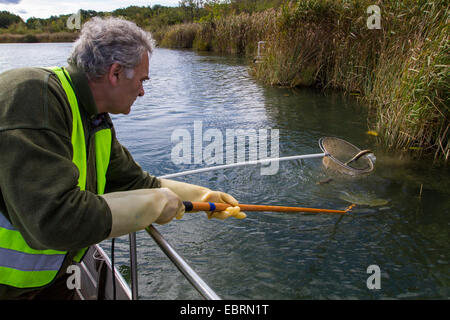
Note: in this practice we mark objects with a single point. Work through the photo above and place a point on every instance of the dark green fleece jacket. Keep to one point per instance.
(38, 180)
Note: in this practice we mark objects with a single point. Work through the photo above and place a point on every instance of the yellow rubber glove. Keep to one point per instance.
(229, 212)
(137, 209)
(192, 192)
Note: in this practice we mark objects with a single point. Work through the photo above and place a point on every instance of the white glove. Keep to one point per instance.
(137, 209)
(192, 192)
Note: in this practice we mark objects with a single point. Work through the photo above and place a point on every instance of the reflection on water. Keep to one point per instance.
(276, 255)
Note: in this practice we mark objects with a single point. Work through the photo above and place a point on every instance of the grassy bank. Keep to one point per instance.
(401, 70)
(38, 37)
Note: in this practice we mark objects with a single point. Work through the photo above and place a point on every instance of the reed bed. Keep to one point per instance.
(401, 71)
(180, 35)
(38, 37)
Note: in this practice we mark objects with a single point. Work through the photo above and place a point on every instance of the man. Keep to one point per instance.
(65, 181)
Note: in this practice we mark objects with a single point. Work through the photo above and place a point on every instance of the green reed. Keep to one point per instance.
(401, 71)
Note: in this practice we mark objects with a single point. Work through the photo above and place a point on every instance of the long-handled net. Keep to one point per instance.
(346, 158)
(337, 154)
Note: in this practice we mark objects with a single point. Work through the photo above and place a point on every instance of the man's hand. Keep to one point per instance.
(221, 197)
(192, 192)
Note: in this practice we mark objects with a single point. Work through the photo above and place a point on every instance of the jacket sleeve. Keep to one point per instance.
(38, 180)
(124, 173)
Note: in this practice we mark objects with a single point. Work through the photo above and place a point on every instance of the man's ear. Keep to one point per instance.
(115, 73)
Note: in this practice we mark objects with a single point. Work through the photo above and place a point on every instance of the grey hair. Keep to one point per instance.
(103, 42)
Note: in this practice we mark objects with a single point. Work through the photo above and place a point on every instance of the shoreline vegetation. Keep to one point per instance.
(38, 37)
(401, 70)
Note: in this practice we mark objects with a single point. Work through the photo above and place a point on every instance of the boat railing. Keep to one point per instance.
(196, 281)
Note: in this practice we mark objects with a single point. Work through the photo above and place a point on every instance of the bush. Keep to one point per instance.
(29, 38)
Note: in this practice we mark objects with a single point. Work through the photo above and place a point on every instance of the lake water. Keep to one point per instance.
(275, 255)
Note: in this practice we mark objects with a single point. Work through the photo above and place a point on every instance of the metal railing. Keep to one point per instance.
(196, 281)
(183, 266)
(133, 266)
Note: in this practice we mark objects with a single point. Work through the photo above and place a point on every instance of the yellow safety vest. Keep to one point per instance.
(22, 266)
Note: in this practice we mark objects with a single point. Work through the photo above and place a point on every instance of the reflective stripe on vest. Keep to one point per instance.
(22, 266)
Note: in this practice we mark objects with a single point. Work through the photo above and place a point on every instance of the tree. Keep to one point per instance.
(7, 18)
(191, 9)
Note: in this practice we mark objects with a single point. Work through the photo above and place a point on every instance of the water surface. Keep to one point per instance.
(276, 255)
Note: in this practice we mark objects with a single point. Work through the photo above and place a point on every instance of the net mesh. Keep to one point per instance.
(340, 154)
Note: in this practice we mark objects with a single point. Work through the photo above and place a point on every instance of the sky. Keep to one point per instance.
(46, 8)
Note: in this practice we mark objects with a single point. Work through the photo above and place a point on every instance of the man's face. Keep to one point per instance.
(127, 90)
